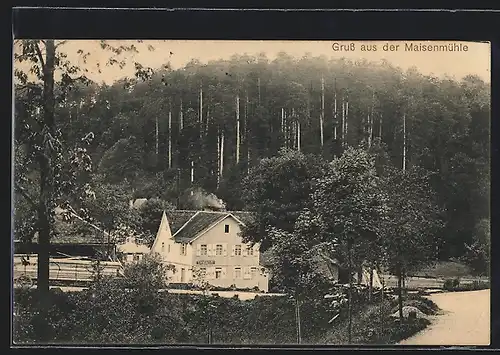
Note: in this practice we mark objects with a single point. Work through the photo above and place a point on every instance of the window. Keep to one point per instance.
(203, 249)
(226, 228)
(162, 247)
(237, 273)
(183, 249)
(218, 273)
(254, 272)
(250, 251)
(218, 249)
(246, 274)
(168, 251)
(237, 249)
(183, 274)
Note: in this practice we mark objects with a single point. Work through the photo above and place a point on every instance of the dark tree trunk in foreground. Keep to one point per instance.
(46, 183)
(349, 315)
(370, 290)
(400, 293)
(297, 318)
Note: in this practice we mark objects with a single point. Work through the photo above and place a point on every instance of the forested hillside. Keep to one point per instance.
(207, 125)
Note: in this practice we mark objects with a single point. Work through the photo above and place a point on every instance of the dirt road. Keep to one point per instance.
(464, 320)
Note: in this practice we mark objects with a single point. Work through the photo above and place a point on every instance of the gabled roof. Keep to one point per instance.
(186, 225)
(197, 224)
(177, 218)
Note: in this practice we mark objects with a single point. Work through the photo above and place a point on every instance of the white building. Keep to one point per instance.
(209, 243)
(131, 250)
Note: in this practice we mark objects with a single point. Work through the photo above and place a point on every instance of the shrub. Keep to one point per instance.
(452, 285)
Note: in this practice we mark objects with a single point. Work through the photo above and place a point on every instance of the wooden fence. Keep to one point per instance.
(64, 269)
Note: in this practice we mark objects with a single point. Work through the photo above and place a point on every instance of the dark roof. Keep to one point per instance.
(199, 222)
(74, 232)
(177, 218)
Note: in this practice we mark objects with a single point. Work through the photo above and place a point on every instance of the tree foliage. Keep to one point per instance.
(277, 190)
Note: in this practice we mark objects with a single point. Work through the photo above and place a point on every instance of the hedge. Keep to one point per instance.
(107, 314)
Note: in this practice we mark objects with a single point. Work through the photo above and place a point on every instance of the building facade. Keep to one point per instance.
(131, 250)
(208, 246)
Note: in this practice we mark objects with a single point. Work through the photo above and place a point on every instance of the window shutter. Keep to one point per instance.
(244, 250)
(198, 249)
(223, 273)
(232, 250)
(246, 273)
(224, 249)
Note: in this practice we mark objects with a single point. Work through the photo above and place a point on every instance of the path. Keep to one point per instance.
(464, 320)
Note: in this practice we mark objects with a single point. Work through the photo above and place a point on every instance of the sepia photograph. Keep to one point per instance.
(250, 193)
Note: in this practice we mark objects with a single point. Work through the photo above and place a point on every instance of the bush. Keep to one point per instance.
(110, 314)
(403, 330)
(450, 284)
(455, 286)
(424, 304)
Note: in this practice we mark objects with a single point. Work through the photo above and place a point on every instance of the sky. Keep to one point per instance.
(476, 60)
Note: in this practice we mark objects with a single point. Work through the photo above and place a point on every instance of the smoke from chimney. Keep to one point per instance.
(199, 199)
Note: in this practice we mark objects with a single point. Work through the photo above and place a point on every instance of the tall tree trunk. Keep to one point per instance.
(343, 122)
(287, 130)
(297, 319)
(369, 131)
(322, 116)
(370, 289)
(298, 135)
(372, 116)
(201, 111)
(170, 139)
(347, 121)
(283, 126)
(237, 129)
(258, 87)
(400, 292)
(247, 131)
(207, 120)
(349, 315)
(404, 141)
(181, 117)
(382, 313)
(46, 185)
(222, 154)
(157, 145)
(218, 156)
(335, 111)
(192, 172)
(380, 122)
